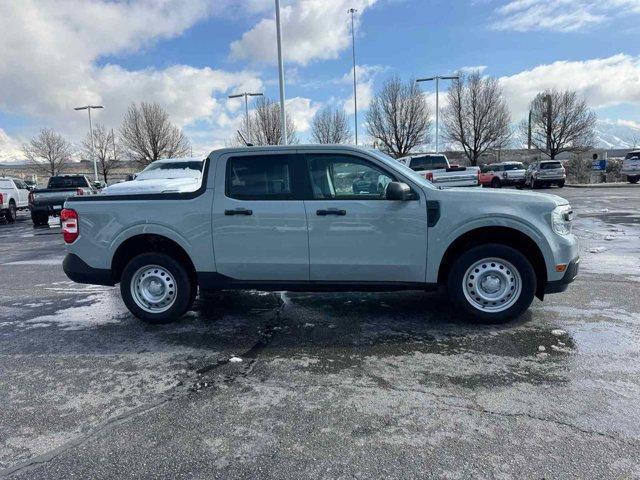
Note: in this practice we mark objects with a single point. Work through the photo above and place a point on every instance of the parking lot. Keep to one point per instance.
(340, 385)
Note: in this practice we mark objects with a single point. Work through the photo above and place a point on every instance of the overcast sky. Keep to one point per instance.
(188, 55)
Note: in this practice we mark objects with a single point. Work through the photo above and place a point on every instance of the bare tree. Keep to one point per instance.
(147, 134)
(330, 125)
(477, 116)
(107, 151)
(265, 125)
(49, 152)
(399, 118)
(560, 122)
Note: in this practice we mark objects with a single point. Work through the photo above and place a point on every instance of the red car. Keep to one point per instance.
(498, 174)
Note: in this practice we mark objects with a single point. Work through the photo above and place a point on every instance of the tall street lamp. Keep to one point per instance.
(246, 104)
(283, 115)
(88, 109)
(353, 11)
(437, 79)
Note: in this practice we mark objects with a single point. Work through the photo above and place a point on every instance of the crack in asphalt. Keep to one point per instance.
(178, 391)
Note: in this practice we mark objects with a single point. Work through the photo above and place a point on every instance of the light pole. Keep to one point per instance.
(352, 11)
(437, 78)
(283, 115)
(93, 155)
(246, 104)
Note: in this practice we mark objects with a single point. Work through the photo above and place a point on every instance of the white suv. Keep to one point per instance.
(14, 196)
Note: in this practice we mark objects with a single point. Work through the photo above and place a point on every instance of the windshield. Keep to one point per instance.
(168, 170)
(632, 156)
(415, 177)
(514, 166)
(550, 165)
(67, 182)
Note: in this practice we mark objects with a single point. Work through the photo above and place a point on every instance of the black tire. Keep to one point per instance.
(561, 184)
(39, 219)
(633, 179)
(534, 184)
(476, 254)
(10, 213)
(495, 183)
(184, 289)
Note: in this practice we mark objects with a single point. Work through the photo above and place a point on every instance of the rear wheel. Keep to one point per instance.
(495, 183)
(156, 288)
(11, 213)
(635, 179)
(492, 283)
(561, 184)
(39, 219)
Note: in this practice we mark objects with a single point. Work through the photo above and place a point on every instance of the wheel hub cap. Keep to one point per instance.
(492, 285)
(153, 288)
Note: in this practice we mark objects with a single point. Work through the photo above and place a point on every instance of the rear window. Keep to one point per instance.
(6, 184)
(514, 166)
(67, 182)
(550, 165)
(428, 162)
(632, 156)
(259, 178)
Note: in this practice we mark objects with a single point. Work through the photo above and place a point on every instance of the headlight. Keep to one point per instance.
(561, 218)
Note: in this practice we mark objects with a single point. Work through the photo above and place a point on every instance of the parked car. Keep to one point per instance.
(498, 174)
(162, 176)
(30, 184)
(545, 173)
(631, 166)
(14, 196)
(271, 218)
(436, 169)
(46, 202)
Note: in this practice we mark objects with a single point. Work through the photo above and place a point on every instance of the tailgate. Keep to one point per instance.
(52, 198)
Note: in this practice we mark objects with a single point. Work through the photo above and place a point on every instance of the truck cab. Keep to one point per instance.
(297, 218)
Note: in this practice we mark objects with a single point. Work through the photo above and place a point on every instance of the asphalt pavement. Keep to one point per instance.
(348, 385)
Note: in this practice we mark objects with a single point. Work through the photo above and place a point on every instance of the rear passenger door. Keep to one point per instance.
(259, 221)
(356, 235)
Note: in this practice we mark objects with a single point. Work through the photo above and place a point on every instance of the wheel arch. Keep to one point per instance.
(503, 235)
(145, 243)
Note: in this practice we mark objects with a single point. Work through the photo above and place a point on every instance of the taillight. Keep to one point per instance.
(79, 191)
(429, 176)
(69, 223)
(1, 198)
(31, 197)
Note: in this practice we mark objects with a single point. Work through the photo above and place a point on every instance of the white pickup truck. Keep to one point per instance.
(14, 196)
(437, 169)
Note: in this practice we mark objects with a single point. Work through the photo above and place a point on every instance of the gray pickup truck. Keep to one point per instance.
(290, 218)
(46, 202)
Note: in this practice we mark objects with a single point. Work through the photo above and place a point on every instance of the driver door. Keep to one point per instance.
(355, 234)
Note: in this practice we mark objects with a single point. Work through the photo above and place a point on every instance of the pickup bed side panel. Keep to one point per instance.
(105, 225)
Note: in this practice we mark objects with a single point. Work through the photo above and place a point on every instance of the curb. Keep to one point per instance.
(601, 185)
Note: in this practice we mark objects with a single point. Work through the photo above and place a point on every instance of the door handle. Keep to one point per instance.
(331, 211)
(239, 211)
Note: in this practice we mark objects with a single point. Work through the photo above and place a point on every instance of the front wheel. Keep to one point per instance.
(634, 179)
(561, 184)
(492, 283)
(495, 183)
(156, 288)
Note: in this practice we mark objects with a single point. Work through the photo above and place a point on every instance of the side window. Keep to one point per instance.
(346, 178)
(267, 177)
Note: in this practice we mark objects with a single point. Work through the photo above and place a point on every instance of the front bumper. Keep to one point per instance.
(78, 271)
(570, 275)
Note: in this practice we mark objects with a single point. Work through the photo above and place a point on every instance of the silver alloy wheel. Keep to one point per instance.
(153, 289)
(492, 285)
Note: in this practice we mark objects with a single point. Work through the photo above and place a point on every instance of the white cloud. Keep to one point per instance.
(312, 30)
(603, 82)
(301, 110)
(560, 15)
(52, 53)
(365, 78)
(473, 68)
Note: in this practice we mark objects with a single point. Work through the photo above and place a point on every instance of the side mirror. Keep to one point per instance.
(398, 191)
